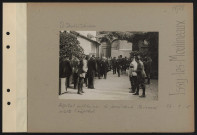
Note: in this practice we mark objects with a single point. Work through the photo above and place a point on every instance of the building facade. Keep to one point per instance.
(90, 45)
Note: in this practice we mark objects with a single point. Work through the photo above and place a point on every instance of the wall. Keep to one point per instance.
(89, 47)
(121, 47)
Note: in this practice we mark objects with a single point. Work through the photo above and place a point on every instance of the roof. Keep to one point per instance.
(82, 36)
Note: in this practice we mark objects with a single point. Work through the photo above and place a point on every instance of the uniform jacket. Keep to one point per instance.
(133, 68)
(140, 70)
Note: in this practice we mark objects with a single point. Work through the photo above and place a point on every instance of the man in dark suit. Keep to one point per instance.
(74, 65)
(65, 70)
(91, 72)
(68, 71)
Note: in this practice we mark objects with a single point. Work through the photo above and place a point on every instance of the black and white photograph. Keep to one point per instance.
(108, 65)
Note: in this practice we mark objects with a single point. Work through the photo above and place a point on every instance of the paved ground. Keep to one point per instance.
(112, 88)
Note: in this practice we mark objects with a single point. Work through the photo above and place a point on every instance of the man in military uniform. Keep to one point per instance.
(98, 63)
(104, 68)
(147, 67)
(114, 65)
(119, 64)
(74, 65)
(133, 74)
(91, 72)
(140, 77)
(86, 74)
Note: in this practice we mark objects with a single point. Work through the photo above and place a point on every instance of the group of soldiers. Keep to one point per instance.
(138, 68)
(120, 64)
(83, 70)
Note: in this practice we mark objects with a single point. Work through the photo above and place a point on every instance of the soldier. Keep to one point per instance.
(147, 67)
(118, 65)
(104, 68)
(65, 70)
(98, 63)
(124, 65)
(74, 64)
(140, 77)
(91, 72)
(133, 74)
(114, 65)
(86, 74)
(82, 69)
(81, 77)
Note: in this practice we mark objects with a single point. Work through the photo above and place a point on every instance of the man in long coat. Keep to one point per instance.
(104, 68)
(114, 65)
(91, 72)
(119, 65)
(65, 70)
(147, 66)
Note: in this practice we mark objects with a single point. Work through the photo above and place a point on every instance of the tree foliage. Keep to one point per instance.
(70, 46)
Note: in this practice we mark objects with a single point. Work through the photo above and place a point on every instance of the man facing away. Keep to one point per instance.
(104, 67)
(65, 71)
(114, 65)
(91, 72)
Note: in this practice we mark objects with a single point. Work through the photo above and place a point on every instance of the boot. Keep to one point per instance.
(79, 93)
(137, 92)
(143, 93)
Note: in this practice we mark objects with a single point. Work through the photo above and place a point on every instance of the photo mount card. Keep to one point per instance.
(98, 67)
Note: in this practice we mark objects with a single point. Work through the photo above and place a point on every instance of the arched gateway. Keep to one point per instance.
(115, 48)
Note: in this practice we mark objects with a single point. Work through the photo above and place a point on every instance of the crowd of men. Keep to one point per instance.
(138, 69)
(85, 69)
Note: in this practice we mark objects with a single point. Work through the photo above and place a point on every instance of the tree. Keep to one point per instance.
(70, 46)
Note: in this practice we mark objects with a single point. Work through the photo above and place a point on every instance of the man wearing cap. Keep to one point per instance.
(86, 74)
(114, 65)
(133, 74)
(74, 65)
(104, 68)
(91, 72)
(140, 77)
(118, 65)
